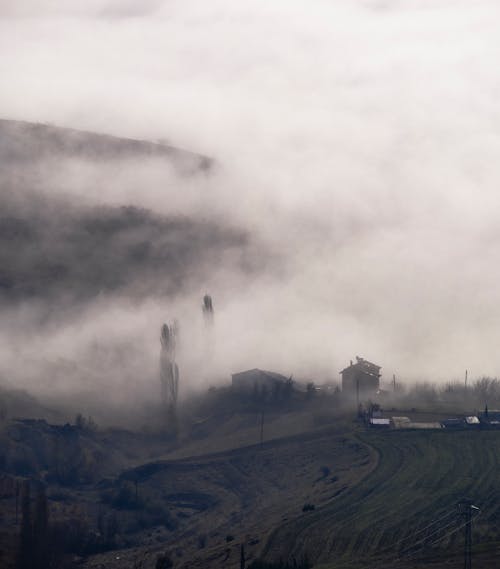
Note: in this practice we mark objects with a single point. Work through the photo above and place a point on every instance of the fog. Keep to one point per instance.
(355, 174)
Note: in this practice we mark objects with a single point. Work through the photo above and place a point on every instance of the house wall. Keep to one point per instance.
(352, 377)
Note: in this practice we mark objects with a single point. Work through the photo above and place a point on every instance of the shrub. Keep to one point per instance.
(163, 562)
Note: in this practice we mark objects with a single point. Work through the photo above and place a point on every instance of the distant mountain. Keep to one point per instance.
(24, 141)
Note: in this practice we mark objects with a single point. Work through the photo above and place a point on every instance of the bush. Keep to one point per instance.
(156, 514)
(122, 498)
(163, 562)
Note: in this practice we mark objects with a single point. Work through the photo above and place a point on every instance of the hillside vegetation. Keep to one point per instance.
(341, 496)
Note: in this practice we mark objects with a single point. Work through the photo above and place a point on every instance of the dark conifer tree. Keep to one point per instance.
(25, 556)
(41, 531)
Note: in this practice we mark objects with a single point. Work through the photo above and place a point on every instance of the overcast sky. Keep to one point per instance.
(360, 138)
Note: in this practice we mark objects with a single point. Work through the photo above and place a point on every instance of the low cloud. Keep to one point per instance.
(355, 145)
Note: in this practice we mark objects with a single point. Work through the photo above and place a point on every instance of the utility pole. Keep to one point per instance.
(466, 373)
(242, 557)
(18, 491)
(466, 508)
(262, 428)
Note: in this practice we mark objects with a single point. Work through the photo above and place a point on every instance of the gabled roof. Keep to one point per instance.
(257, 371)
(365, 366)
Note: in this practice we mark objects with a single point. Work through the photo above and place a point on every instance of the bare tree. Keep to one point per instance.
(169, 372)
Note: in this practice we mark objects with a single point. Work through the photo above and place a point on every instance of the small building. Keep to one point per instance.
(472, 421)
(490, 418)
(361, 378)
(400, 422)
(407, 423)
(380, 423)
(454, 423)
(253, 379)
(422, 425)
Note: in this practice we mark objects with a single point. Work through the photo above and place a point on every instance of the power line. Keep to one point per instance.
(426, 538)
(424, 542)
(443, 537)
(418, 532)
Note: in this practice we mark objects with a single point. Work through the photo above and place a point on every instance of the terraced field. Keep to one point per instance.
(405, 514)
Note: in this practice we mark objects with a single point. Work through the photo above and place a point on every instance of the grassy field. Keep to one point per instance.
(382, 499)
(220, 501)
(382, 521)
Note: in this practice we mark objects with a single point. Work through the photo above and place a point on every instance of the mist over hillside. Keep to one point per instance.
(207, 210)
(57, 251)
(70, 259)
(359, 180)
(24, 143)
(58, 246)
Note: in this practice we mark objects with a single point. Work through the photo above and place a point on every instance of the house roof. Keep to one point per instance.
(261, 372)
(365, 366)
(421, 425)
(472, 420)
(453, 422)
(380, 421)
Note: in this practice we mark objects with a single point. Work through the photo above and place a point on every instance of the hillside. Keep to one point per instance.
(201, 509)
(63, 251)
(24, 142)
(344, 497)
(62, 246)
(401, 514)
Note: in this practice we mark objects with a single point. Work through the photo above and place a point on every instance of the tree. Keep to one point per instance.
(24, 558)
(163, 562)
(311, 390)
(41, 531)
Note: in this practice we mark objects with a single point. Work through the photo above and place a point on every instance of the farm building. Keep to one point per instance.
(454, 423)
(362, 377)
(472, 421)
(400, 422)
(490, 418)
(256, 379)
(380, 423)
(407, 423)
(422, 425)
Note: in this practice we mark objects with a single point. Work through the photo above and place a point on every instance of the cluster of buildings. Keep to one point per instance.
(361, 383)
(486, 420)
(361, 380)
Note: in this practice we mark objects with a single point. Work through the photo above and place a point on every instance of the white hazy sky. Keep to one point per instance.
(361, 137)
